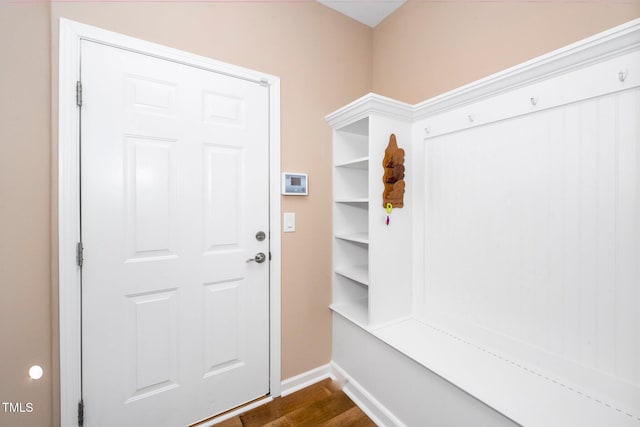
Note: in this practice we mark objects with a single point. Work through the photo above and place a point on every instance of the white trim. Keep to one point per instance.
(68, 226)
(370, 103)
(610, 44)
(606, 45)
(375, 410)
(598, 79)
(361, 397)
(305, 379)
(288, 386)
(71, 33)
(275, 237)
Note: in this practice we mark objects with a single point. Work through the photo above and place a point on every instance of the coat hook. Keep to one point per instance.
(622, 75)
(534, 100)
(471, 118)
(427, 131)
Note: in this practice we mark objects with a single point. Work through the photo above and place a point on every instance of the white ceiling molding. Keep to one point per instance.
(617, 42)
(368, 12)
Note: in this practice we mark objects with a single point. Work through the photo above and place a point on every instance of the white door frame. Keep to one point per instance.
(71, 33)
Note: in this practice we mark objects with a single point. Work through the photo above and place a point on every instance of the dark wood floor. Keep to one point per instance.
(322, 404)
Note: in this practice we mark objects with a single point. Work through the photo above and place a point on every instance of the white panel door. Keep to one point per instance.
(174, 171)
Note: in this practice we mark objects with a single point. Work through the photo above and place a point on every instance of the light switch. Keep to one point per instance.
(289, 222)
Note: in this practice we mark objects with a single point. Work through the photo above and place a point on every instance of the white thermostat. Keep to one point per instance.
(295, 184)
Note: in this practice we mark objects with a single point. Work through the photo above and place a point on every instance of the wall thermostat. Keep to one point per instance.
(295, 184)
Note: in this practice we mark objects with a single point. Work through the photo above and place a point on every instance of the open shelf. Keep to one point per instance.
(358, 273)
(359, 163)
(360, 127)
(355, 237)
(350, 183)
(354, 200)
(357, 311)
(351, 144)
(351, 175)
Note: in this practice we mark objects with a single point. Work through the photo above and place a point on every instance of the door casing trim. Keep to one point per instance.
(69, 304)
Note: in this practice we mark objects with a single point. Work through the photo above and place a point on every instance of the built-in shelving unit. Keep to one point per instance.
(364, 247)
(351, 217)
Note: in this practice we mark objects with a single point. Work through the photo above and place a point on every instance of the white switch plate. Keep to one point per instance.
(289, 222)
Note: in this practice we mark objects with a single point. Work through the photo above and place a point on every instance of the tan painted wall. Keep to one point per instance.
(430, 47)
(25, 305)
(320, 70)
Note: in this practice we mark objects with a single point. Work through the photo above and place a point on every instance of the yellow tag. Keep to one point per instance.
(389, 208)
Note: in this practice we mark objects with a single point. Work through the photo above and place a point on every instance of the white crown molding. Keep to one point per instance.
(615, 42)
(609, 44)
(370, 103)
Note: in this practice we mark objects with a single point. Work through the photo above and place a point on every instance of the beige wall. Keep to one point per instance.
(25, 305)
(324, 60)
(430, 47)
(320, 70)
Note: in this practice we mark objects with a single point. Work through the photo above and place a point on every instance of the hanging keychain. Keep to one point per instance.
(389, 209)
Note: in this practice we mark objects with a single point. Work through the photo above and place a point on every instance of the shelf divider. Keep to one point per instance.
(355, 237)
(357, 273)
(359, 163)
(356, 311)
(351, 200)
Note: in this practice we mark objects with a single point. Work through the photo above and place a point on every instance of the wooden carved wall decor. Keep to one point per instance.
(393, 178)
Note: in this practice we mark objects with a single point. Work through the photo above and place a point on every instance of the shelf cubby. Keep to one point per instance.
(361, 237)
(357, 273)
(356, 310)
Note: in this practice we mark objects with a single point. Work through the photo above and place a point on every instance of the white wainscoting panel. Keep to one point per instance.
(533, 238)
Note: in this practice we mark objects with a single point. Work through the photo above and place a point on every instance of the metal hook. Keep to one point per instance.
(427, 131)
(471, 118)
(622, 75)
(534, 101)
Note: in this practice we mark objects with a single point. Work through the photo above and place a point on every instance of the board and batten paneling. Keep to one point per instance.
(533, 237)
(524, 218)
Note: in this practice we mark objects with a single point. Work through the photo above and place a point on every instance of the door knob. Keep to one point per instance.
(259, 258)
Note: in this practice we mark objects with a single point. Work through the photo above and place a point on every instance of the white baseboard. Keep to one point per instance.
(375, 410)
(288, 386)
(305, 379)
(378, 413)
(369, 405)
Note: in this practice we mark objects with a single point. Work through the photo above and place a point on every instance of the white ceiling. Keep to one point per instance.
(369, 12)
